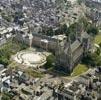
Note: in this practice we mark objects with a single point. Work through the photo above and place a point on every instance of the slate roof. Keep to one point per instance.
(75, 45)
(85, 35)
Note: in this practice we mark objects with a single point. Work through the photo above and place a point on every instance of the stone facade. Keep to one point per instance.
(69, 54)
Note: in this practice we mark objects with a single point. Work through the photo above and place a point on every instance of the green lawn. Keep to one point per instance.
(98, 38)
(34, 73)
(79, 69)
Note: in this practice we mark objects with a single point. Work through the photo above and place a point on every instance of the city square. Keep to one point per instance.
(30, 58)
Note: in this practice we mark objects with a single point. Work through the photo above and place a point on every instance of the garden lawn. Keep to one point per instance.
(34, 73)
(79, 69)
(98, 38)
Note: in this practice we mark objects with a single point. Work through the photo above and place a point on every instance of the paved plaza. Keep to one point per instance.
(30, 58)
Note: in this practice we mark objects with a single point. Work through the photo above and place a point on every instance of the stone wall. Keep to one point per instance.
(50, 45)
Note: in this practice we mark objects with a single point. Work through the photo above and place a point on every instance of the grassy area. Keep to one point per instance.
(79, 69)
(34, 73)
(8, 49)
(98, 38)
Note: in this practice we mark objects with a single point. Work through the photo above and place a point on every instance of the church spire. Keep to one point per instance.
(70, 60)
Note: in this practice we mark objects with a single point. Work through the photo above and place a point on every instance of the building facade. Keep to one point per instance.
(69, 54)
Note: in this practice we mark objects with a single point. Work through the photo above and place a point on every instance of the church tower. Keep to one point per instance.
(69, 55)
(86, 42)
(64, 55)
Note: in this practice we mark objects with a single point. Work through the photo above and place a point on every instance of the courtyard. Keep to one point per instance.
(30, 58)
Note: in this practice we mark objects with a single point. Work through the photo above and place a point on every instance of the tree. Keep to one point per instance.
(98, 51)
(6, 17)
(57, 31)
(92, 59)
(74, 28)
(6, 96)
(50, 31)
(50, 60)
(91, 29)
(100, 45)
(64, 29)
(79, 1)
